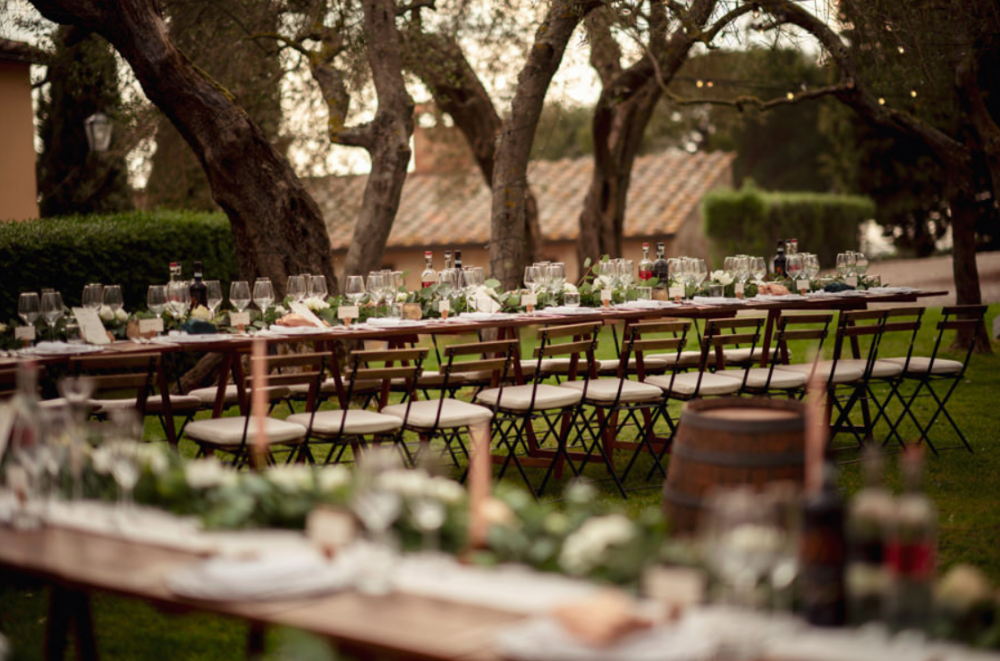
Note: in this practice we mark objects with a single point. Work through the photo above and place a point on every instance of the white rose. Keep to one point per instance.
(205, 473)
(121, 315)
(332, 477)
(602, 282)
(722, 277)
(445, 490)
(280, 310)
(963, 587)
(291, 477)
(316, 303)
(202, 313)
(569, 288)
(102, 459)
(106, 313)
(584, 549)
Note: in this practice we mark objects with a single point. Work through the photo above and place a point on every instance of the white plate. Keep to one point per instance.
(61, 349)
(394, 323)
(197, 339)
(296, 330)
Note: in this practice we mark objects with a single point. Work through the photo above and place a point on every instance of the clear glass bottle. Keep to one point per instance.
(868, 517)
(912, 549)
(429, 276)
(23, 461)
(645, 265)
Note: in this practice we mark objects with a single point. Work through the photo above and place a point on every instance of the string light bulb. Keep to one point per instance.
(913, 93)
(709, 84)
(700, 83)
(901, 50)
(881, 101)
(790, 96)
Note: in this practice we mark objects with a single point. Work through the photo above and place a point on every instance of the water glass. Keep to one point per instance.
(715, 290)
(239, 295)
(758, 268)
(52, 310)
(297, 288)
(860, 263)
(29, 307)
(317, 287)
(642, 293)
(156, 299)
(571, 299)
(93, 296)
(178, 299)
(263, 294)
(213, 295)
(375, 287)
(113, 297)
(354, 289)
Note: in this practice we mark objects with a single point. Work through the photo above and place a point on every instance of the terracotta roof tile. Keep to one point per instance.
(454, 208)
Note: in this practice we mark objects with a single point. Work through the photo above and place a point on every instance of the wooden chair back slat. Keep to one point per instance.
(383, 373)
(481, 365)
(735, 338)
(390, 355)
(804, 334)
(493, 346)
(573, 330)
(564, 349)
(659, 344)
(822, 318)
(661, 326)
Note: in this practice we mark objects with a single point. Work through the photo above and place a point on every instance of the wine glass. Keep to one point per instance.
(810, 265)
(126, 430)
(239, 295)
(556, 276)
(28, 307)
(447, 284)
(297, 288)
(845, 263)
(729, 266)
(758, 268)
(354, 289)
(794, 265)
(93, 296)
(375, 288)
(700, 272)
(156, 299)
(860, 263)
(626, 272)
(474, 278)
(531, 276)
(213, 295)
(77, 389)
(377, 507)
(113, 297)
(428, 514)
(317, 287)
(263, 294)
(742, 268)
(52, 310)
(178, 298)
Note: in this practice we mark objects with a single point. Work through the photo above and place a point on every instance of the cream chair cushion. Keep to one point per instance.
(359, 422)
(842, 374)
(920, 364)
(687, 384)
(228, 432)
(518, 398)
(780, 380)
(882, 369)
(605, 390)
(207, 395)
(454, 413)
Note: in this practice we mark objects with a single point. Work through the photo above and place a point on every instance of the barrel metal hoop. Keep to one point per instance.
(682, 499)
(697, 421)
(738, 460)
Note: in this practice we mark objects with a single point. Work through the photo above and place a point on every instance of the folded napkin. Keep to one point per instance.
(276, 576)
(484, 316)
(62, 348)
(296, 330)
(783, 297)
(717, 300)
(485, 303)
(543, 639)
(181, 338)
(647, 305)
(562, 309)
(391, 322)
(892, 290)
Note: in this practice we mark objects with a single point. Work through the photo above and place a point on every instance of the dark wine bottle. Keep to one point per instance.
(198, 288)
(458, 260)
(822, 554)
(780, 268)
(661, 270)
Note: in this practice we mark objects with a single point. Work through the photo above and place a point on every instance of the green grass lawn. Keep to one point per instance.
(963, 485)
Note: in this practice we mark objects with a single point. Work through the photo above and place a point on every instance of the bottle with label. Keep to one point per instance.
(793, 247)
(458, 259)
(429, 276)
(822, 554)
(447, 260)
(869, 516)
(645, 266)
(175, 271)
(780, 267)
(661, 270)
(23, 465)
(911, 549)
(198, 288)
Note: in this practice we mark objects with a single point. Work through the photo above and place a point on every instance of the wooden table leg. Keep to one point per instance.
(765, 347)
(255, 641)
(69, 608)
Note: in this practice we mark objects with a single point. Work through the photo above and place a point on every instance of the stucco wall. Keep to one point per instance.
(18, 188)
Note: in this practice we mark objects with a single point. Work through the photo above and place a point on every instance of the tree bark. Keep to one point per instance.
(510, 183)
(964, 212)
(390, 134)
(277, 227)
(441, 65)
(620, 121)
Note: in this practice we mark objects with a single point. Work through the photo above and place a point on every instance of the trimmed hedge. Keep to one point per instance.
(131, 249)
(750, 221)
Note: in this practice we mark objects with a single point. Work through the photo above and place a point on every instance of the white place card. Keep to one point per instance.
(330, 528)
(150, 326)
(606, 294)
(444, 306)
(802, 285)
(674, 586)
(347, 312)
(529, 299)
(239, 318)
(307, 314)
(852, 281)
(25, 333)
(740, 288)
(676, 291)
(91, 326)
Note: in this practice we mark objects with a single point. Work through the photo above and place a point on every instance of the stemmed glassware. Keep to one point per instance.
(93, 296)
(317, 287)
(213, 295)
(846, 264)
(354, 290)
(127, 429)
(297, 288)
(156, 299)
(447, 283)
(375, 288)
(52, 310)
(77, 389)
(377, 507)
(810, 265)
(178, 299)
(239, 294)
(28, 307)
(428, 514)
(860, 263)
(700, 272)
(794, 265)
(758, 269)
(263, 294)
(113, 297)
(475, 277)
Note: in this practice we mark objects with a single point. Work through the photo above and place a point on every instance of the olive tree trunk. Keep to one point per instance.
(277, 227)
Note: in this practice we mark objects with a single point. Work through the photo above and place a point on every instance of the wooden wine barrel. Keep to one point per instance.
(731, 441)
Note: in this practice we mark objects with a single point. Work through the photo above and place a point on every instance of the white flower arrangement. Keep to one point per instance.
(280, 310)
(584, 549)
(207, 473)
(315, 303)
(410, 483)
(570, 288)
(602, 282)
(962, 588)
(201, 313)
(722, 278)
(331, 478)
(291, 477)
(106, 313)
